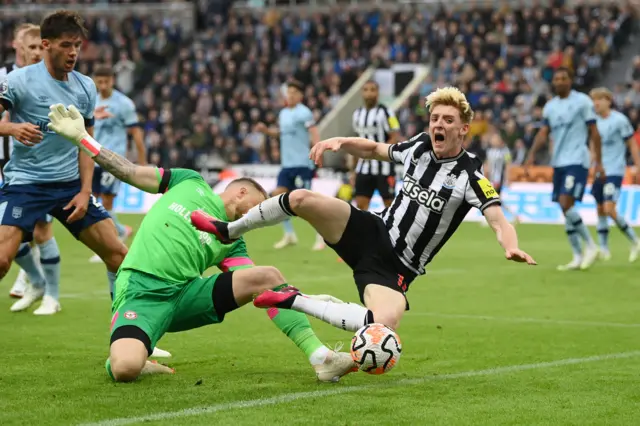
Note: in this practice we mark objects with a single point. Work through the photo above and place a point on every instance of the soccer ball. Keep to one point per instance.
(375, 348)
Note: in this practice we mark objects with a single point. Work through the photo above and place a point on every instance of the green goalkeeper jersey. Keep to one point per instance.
(168, 246)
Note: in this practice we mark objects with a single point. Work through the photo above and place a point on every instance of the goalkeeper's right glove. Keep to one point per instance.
(69, 123)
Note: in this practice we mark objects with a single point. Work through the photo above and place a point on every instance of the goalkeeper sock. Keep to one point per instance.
(50, 261)
(267, 213)
(119, 227)
(111, 276)
(347, 316)
(27, 262)
(298, 329)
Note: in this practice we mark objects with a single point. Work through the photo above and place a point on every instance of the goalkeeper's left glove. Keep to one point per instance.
(69, 123)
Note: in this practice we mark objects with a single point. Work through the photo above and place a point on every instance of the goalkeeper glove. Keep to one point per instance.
(69, 123)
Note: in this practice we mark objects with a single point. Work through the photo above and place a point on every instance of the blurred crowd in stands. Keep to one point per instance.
(200, 97)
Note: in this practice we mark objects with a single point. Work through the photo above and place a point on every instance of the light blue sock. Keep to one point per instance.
(288, 227)
(50, 261)
(111, 276)
(120, 227)
(582, 230)
(28, 263)
(626, 229)
(603, 232)
(574, 238)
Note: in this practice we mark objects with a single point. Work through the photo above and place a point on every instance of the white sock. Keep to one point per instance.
(267, 213)
(319, 355)
(347, 316)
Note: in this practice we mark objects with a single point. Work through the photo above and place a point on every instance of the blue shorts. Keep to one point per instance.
(295, 178)
(104, 182)
(609, 190)
(24, 205)
(569, 180)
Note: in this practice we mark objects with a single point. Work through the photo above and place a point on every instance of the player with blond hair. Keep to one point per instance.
(387, 250)
(617, 134)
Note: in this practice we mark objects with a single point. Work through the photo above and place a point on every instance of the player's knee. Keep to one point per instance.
(114, 259)
(107, 202)
(389, 318)
(125, 368)
(301, 198)
(609, 209)
(42, 233)
(267, 277)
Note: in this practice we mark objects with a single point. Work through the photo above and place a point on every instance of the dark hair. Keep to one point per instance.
(103, 71)
(296, 85)
(253, 183)
(564, 69)
(62, 22)
(375, 83)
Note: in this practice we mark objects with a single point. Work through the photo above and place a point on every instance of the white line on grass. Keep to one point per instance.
(524, 320)
(289, 397)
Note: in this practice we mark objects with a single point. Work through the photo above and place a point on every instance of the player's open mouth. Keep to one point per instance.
(70, 63)
(439, 137)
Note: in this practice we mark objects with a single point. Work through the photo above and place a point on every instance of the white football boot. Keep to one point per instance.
(49, 306)
(589, 257)
(574, 265)
(21, 284)
(287, 240)
(31, 296)
(336, 365)
(604, 254)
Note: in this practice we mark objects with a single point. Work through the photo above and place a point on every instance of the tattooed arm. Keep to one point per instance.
(145, 178)
(70, 124)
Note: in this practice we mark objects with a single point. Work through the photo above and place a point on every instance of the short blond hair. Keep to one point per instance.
(601, 92)
(451, 96)
(26, 28)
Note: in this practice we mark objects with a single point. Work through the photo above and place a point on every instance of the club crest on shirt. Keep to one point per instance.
(130, 315)
(450, 181)
(4, 87)
(83, 101)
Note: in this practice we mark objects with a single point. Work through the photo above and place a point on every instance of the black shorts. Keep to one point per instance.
(365, 246)
(367, 184)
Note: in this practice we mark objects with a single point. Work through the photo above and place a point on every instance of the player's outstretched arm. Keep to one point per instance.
(506, 235)
(358, 147)
(70, 124)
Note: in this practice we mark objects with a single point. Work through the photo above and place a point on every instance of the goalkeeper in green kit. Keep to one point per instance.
(160, 287)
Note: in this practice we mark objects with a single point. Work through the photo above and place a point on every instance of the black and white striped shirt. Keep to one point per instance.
(375, 124)
(497, 161)
(5, 141)
(436, 195)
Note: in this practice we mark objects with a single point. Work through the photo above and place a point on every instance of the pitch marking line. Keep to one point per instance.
(289, 397)
(525, 320)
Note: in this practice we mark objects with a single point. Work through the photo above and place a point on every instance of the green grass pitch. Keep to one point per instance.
(487, 342)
